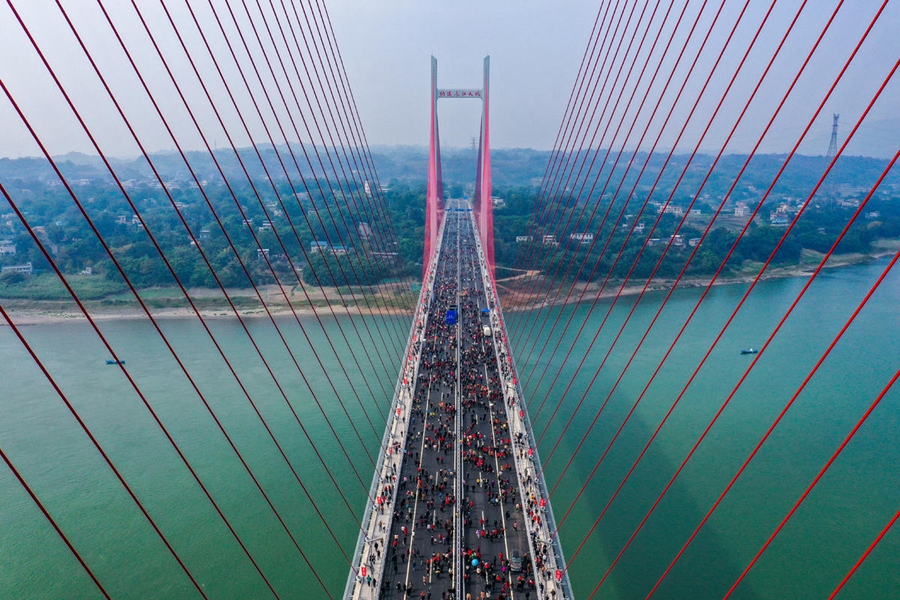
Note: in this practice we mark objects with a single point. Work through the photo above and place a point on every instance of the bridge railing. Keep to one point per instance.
(532, 486)
(390, 459)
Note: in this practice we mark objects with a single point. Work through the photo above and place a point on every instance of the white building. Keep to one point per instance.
(25, 269)
(669, 209)
(582, 238)
(7, 247)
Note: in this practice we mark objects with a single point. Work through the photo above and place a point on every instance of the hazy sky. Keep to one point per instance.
(535, 50)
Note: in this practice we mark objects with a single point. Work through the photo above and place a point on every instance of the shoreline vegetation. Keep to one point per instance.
(212, 234)
(393, 299)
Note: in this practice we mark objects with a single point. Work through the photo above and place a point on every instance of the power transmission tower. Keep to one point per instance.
(832, 147)
(832, 150)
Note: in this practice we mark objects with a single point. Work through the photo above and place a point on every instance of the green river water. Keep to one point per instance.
(855, 499)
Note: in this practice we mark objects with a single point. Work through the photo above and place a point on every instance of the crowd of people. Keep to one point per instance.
(457, 504)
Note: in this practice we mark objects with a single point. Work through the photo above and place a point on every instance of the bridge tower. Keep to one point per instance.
(482, 206)
(434, 199)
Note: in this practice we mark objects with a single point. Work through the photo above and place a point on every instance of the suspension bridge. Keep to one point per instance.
(278, 453)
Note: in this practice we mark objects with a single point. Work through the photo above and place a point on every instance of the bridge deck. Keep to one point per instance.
(448, 511)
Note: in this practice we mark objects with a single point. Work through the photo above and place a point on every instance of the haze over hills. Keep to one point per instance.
(408, 164)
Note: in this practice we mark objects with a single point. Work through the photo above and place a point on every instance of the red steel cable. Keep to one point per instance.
(668, 246)
(580, 79)
(564, 132)
(153, 240)
(268, 99)
(563, 149)
(631, 192)
(196, 242)
(570, 205)
(357, 185)
(165, 122)
(359, 145)
(564, 186)
(628, 135)
(356, 168)
(573, 95)
(734, 246)
(397, 338)
(743, 378)
(671, 291)
(37, 500)
(564, 146)
(138, 391)
(275, 148)
(740, 304)
(41, 506)
(379, 215)
(809, 377)
(360, 132)
(349, 126)
(331, 309)
(864, 556)
(563, 180)
(659, 176)
(545, 210)
(816, 480)
(290, 223)
(578, 195)
(164, 338)
(618, 155)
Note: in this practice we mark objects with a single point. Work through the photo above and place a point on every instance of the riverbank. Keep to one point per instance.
(170, 303)
(529, 292)
(520, 292)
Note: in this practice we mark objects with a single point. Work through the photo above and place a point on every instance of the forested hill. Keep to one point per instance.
(290, 220)
(408, 164)
(511, 167)
(527, 167)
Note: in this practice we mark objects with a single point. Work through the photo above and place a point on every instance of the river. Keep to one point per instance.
(851, 504)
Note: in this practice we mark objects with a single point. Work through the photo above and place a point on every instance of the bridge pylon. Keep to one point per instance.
(482, 204)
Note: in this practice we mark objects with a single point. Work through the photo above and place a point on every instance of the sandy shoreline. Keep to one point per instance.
(44, 316)
(26, 313)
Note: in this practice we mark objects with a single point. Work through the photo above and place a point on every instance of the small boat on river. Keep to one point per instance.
(749, 351)
(112, 361)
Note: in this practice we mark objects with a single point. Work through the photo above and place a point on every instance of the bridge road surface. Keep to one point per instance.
(449, 532)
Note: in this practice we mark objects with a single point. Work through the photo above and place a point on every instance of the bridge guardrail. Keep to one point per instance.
(528, 465)
(389, 462)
